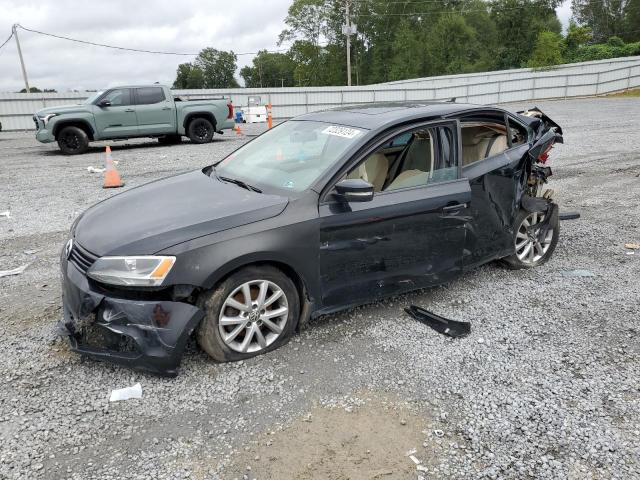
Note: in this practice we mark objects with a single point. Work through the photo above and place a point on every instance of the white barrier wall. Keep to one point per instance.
(565, 81)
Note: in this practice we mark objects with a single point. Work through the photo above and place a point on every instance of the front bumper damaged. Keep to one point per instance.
(145, 335)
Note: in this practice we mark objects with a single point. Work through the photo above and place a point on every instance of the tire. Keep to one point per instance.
(530, 253)
(170, 140)
(73, 140)
(200, 130)
(241, 327)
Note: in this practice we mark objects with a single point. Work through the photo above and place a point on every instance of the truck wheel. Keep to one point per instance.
(73, 140)
(170, 139)
(531, 251)
(200, 130)
(254, 311)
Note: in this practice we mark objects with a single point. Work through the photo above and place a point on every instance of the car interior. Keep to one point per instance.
(409, 160)
(482, 140)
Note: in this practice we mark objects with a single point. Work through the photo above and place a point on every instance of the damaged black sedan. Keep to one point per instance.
(326, 211)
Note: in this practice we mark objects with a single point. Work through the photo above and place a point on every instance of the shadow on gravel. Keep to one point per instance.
(126, 146)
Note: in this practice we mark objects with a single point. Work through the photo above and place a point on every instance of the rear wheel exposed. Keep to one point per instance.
(531, 248)
(253, 311)
(200, 130)
(73, 140)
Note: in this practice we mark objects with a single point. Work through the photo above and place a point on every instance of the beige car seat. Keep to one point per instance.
(373, 170)
(417, 165)
(479, 143)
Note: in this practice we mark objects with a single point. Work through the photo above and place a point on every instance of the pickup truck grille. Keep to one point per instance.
(81, 258)
(37, 122)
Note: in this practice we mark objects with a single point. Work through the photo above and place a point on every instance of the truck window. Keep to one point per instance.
(150, 95)
(119, 97)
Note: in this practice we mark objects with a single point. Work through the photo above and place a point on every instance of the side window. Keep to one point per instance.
(427, 157)
(150, 95)
(519, 134)
(119, 97)
(482, 140)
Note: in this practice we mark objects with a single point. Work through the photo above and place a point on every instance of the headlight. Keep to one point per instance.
(145, 271)
(45, 119)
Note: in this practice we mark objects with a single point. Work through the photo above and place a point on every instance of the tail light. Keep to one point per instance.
(230, 107)
(544, 156)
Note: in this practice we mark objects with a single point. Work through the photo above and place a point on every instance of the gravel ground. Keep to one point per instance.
(546, 386)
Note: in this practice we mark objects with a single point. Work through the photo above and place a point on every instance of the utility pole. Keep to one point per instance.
(24, 70)
(347, 30)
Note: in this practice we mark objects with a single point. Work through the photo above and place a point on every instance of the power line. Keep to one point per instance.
(157, 52)
(6, 41)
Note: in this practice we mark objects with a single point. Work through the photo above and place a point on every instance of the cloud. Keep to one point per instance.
(165, 25)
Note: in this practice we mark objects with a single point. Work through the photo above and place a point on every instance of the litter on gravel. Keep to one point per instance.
(632, 246)
(91, 169)
(15, 271)
(6, 213)
(578, 273)
(126, 393)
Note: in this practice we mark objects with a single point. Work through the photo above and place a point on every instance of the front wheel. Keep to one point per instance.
(200, 130)
(73, 140)
(255, 310)
(532, 249)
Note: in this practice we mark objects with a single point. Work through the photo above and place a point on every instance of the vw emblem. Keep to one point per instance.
(68, 248)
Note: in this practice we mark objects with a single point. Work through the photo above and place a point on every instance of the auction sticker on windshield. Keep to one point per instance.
(344, 132)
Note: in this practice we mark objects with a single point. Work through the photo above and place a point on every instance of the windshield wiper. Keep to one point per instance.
(240, 183)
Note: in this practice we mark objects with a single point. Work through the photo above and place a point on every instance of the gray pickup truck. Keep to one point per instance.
(129, 112)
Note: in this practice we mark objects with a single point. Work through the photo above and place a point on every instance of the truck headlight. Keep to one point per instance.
(45, 119)
(143, 271)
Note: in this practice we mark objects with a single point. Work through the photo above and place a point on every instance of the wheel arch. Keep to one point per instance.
(193, 115)
(304, 294)
(82, 124)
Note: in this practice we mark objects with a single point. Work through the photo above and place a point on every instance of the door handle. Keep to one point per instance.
(453, 209)
(129, 110)
(166, 108)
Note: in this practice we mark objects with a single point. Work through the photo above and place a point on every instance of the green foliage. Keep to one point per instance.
(211, 69)
(608, 18)
(603, 51)
(576, 37)
(547, 51)
(269, 70)
(33, 90)
(397, 40)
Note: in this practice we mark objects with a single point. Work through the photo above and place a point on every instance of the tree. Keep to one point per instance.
(31, 90)
(547, 51)
(519, 22)
(211, 69)
(452, 46)
(188, 76)
(576, 37)
(269, 70)
(609, 18)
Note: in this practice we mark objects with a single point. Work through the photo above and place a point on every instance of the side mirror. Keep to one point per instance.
(354, 190)
(105, 103)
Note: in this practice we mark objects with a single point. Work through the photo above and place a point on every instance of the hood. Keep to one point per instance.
(61, 109)
(158, 215)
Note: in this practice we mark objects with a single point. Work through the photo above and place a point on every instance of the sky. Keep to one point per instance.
(166, 25)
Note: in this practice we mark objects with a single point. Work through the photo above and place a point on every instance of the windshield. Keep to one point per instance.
(291, 156)
(92, 98)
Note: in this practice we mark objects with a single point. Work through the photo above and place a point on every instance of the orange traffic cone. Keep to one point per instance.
(237, 129)
(111, 175)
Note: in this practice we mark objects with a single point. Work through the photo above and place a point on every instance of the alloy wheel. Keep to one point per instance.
(201, 131)
(253, 316)
(529, 248)
(71, 141)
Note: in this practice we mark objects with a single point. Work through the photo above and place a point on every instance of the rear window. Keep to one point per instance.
(150, 95)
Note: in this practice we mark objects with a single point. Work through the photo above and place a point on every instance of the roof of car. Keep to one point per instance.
(375, 115)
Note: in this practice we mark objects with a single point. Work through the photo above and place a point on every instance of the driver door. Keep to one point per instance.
(410, 235)
(118, 119)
